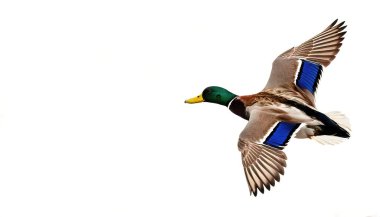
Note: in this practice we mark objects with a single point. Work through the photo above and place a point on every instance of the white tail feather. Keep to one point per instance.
(327, 140)
(342, 121)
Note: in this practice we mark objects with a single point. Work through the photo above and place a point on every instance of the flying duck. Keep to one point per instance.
(285, 108)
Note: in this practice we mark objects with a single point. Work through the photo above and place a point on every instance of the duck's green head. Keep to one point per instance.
(213, 94)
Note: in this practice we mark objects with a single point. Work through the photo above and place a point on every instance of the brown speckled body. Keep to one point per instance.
(273, 95)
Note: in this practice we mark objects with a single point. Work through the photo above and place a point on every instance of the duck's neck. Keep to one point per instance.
(238, 108)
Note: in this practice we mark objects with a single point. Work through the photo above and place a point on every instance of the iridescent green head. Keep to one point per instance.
(213, 94)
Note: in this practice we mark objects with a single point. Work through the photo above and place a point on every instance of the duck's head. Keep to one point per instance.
(213, 94)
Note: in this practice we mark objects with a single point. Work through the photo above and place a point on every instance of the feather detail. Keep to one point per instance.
(309, 131)
(262, 165)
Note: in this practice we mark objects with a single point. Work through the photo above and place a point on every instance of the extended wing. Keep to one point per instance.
(260, 143)
(303, 65)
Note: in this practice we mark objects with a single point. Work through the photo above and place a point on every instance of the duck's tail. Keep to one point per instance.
(340, 119)
(335, 130)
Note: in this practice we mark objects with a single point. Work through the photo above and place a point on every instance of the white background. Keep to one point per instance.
(92, 119)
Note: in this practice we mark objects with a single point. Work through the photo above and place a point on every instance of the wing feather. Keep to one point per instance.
(263, 164)
(320, 49)
(260, 173)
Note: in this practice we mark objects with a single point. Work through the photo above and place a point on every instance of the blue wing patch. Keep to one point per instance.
(309, 75)
(281, 134)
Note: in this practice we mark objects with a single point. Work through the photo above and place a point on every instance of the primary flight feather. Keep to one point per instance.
(286, 106)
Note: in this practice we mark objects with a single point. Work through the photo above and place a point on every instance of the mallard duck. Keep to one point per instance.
(285, 108)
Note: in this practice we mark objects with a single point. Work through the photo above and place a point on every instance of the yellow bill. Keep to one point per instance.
(196, 99)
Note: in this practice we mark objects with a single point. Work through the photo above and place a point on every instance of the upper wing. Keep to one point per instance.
(303, 65)
(260, 143)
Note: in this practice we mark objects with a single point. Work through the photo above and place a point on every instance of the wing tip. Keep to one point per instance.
(265, 170)
(341, 24)
(333, 23)
(337, 25)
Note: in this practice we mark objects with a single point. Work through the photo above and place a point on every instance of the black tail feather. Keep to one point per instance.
(327, 130)
(329, 127)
